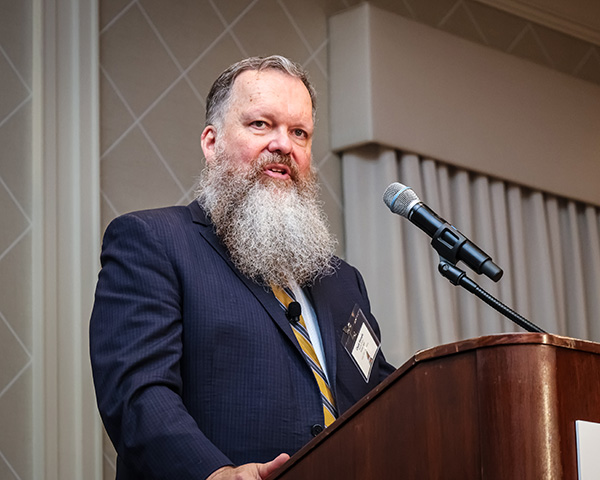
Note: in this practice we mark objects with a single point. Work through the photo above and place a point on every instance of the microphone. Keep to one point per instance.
(446, 239)
(294, 310)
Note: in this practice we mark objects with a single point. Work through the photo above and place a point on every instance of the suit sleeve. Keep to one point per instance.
(136, 347)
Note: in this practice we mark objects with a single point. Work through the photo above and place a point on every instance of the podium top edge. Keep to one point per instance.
(505, 339)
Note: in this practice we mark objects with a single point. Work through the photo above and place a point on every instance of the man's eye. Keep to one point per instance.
(300, 133)
(259, 123)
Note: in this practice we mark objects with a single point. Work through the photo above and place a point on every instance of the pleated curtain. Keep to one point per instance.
(548, 247)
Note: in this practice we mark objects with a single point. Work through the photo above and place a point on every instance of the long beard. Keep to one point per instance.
(275, 231)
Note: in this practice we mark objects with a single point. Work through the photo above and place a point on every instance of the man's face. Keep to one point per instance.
(269, 112)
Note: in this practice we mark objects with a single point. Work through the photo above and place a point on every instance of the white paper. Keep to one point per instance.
(588, 447)
(365, 350)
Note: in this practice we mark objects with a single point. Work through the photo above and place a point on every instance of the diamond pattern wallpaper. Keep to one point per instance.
(15, 240)
(158, 62)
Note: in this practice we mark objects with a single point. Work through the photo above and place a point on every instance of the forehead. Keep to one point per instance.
(272, 90)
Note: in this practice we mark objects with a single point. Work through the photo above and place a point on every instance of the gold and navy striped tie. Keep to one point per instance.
(301, 333)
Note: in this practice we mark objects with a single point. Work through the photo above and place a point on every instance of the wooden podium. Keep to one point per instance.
(495, 407)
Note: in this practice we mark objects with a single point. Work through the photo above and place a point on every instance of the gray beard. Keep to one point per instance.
(276, 231)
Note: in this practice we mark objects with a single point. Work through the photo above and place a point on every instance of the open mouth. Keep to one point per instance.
(277, 170)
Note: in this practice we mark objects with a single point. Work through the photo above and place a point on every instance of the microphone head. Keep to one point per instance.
(400, 199)
(294, 310)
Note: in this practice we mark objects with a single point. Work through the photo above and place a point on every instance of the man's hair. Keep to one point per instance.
(220, 92)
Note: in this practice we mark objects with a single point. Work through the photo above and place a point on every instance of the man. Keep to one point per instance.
(198, 366)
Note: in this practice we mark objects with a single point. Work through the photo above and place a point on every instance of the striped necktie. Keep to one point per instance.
(301, 333)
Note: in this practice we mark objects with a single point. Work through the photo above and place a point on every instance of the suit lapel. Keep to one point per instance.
(321, 305)
(263, 295)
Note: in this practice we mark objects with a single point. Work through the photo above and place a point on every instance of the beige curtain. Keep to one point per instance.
(548, 247)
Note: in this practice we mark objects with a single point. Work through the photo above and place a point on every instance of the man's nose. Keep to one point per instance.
(280, 142)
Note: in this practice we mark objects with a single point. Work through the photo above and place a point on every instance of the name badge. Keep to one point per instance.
(359, 340)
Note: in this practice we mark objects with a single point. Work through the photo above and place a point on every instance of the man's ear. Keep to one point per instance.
(207, 141)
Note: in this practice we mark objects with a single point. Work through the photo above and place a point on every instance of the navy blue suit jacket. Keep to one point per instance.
(195, 365)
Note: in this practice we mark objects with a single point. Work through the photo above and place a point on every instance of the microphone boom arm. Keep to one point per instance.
(456, 276)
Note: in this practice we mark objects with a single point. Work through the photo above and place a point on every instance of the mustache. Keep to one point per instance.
(270, 158)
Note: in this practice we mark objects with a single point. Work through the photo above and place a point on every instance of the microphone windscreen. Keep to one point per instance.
(294, 310)
(400, 199)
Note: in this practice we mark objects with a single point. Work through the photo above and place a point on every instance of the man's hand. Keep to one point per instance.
(250, 471)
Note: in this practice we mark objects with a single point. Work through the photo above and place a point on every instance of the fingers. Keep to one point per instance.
(250, 471)
(265, 469)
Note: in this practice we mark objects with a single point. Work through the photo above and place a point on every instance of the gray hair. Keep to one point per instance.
(220, 92)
